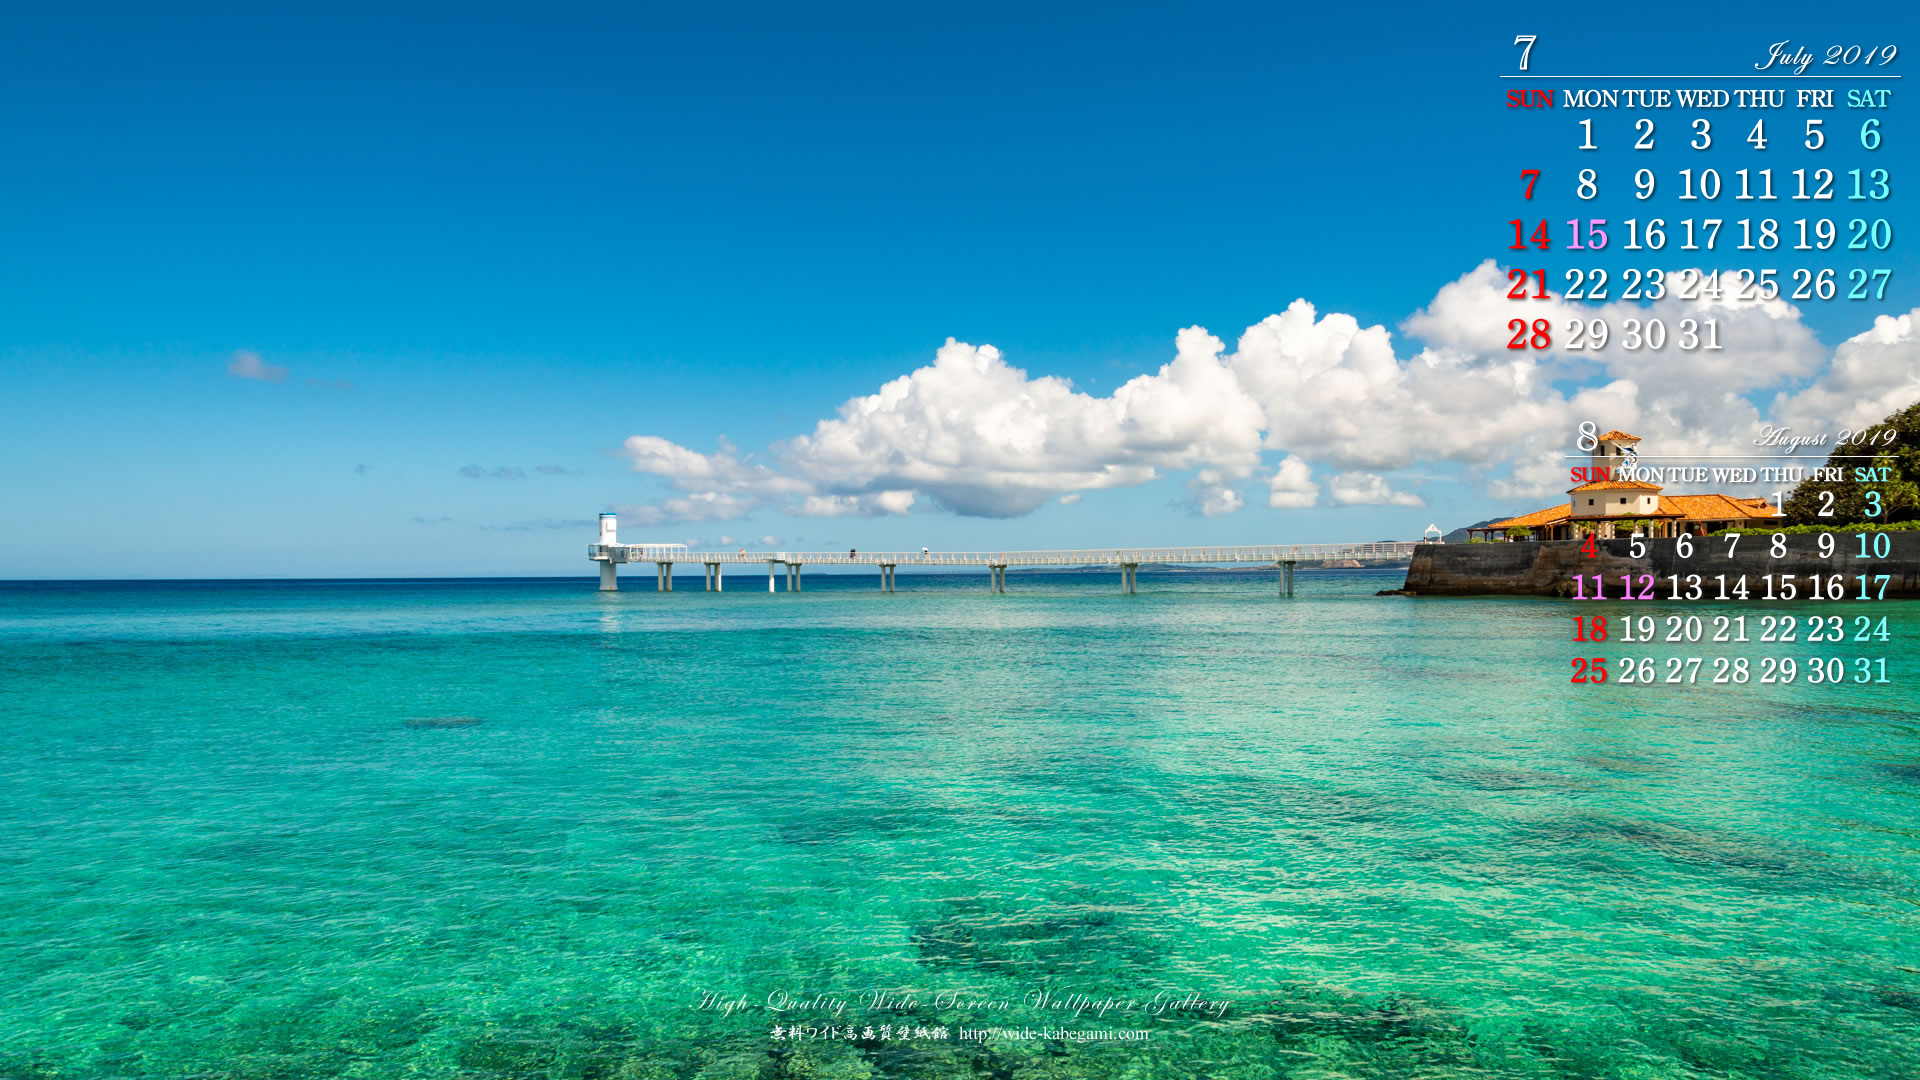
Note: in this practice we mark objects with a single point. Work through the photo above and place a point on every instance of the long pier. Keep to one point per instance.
(609, 553)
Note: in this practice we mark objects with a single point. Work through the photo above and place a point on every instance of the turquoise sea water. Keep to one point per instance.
(524, 829)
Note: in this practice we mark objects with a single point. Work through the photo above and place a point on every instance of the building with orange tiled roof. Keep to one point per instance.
(1599, 507)
(1538, 520)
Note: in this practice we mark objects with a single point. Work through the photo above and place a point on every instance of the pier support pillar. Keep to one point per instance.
(1286, 579)
(719, 582)
(1129, 579)
(796, 577)
(998, 581)
(770, 575)
(609, 577)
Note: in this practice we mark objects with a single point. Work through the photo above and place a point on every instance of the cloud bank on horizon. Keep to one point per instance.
(980, 437)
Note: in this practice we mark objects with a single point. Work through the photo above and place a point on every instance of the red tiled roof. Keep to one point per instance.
(1690, 507)
(1616, 485)
(1616, 435)
(1552, 515)
(1717, 507)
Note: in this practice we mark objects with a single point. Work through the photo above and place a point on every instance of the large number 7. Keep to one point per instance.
(1531, 175)
(1528, 51)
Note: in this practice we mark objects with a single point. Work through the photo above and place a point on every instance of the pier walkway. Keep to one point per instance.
(1126, 561)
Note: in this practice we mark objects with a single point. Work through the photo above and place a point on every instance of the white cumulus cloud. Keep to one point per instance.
(1291, 486)
(870, 505)
(1211, 495)
(979, 436)
(699, 506)
(983, 438)
(1874, 375)
(691, 470)
(1369, 489)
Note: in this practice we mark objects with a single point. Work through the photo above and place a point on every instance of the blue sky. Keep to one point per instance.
(483, 239)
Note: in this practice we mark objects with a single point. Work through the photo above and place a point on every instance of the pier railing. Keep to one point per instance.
(1258, 554)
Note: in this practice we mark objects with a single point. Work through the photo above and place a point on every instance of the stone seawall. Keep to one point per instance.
(1547, 568)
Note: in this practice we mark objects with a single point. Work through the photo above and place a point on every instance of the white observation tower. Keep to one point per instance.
(609, 527)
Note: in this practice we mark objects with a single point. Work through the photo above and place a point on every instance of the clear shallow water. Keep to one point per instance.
(1386, 832)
